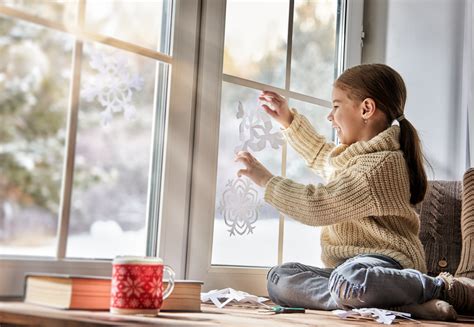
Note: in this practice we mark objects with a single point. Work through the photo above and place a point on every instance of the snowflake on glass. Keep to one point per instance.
(113, 85)
(240, 206)
(255, 130)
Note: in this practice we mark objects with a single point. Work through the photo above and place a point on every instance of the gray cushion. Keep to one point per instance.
(440, 231)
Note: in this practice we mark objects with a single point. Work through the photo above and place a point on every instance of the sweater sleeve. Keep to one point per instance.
(348, 197)
(308, 143)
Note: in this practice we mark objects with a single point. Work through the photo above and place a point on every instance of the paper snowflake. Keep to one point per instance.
(255, 130)
(113, 85)
(240, 206)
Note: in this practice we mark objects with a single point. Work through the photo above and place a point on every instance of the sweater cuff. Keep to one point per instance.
(294, 126)
(270, 188)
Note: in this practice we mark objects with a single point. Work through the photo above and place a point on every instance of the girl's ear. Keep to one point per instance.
(368, 108)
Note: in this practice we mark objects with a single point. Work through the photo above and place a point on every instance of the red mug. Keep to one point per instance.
(137, 285)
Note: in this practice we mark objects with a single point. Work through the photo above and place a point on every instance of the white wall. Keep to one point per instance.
(423, 40)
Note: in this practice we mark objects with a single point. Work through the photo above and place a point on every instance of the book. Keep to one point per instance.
(186, 296)
(68, 291)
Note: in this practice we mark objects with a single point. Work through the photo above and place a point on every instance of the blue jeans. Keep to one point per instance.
(367, 280)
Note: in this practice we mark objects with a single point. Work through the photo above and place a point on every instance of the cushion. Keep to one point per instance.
(440, 232)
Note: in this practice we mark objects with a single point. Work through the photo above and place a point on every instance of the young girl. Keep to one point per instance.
(369, 239)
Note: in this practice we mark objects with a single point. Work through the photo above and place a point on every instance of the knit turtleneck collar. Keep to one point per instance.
(387, 140)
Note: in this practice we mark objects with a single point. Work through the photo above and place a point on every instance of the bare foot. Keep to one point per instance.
(433, 310)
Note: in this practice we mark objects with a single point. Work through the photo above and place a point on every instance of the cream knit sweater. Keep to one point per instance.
(364, 207)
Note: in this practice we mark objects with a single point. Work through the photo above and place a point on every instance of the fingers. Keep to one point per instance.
(270, 99)
(253, 169)
(273, 95)
(276, 104)
(242, 172)
(246, 161)
(245, 154)
(269, 111)
(245, 157)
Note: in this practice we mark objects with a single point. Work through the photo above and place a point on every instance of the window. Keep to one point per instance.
(101, 200)
(294, 47)
(92, 96)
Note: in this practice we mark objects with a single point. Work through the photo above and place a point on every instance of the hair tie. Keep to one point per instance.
(400, 118)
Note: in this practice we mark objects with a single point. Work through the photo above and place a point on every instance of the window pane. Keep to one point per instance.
(256, 40)
(317, 116)
(301, 242)
(313, 62)
(109, 200)
(61, 11)
(245, 228)
(138, 22)
(34, 85)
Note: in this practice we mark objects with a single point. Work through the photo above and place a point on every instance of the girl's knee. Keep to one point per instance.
(274, 275)
(288, 268)
(284, 282)
(278, 291)
(348, 287)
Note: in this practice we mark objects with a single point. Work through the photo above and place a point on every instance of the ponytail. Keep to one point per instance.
(411, 146)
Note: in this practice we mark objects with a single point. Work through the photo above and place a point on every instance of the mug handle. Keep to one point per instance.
(170, 286)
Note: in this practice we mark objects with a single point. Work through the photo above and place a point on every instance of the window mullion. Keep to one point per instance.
(340, 37)
(289, 48)
(289, 94)
(71, 130)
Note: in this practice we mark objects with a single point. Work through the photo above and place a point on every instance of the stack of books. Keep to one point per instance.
(78, 292)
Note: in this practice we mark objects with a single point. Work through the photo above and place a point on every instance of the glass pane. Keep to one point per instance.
(61, 11)
(245, 227)
(34, 86)
(313, 62)
(299, 238)
(256, 40)
(317, 116)
(138, 22)
(108, 213)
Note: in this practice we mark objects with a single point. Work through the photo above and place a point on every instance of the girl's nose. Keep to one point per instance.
(329, 117)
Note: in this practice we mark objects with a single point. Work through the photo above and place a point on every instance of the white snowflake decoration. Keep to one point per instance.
(255, 130)
(113, 85)
(240, 206)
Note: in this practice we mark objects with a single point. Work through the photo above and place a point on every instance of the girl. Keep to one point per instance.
(369, 239)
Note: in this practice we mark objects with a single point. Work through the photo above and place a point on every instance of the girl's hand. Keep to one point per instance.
(280, 112)
(254, 169)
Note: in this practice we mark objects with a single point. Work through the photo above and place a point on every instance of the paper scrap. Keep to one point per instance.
(381, 316)
(113, 84)
(256, 130)
(222, 297)
(240, 206)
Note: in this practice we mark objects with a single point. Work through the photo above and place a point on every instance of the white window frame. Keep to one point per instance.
(169, 187)
(204, 175)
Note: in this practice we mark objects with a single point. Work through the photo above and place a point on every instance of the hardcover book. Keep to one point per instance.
(186, 296)
(68, 291)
